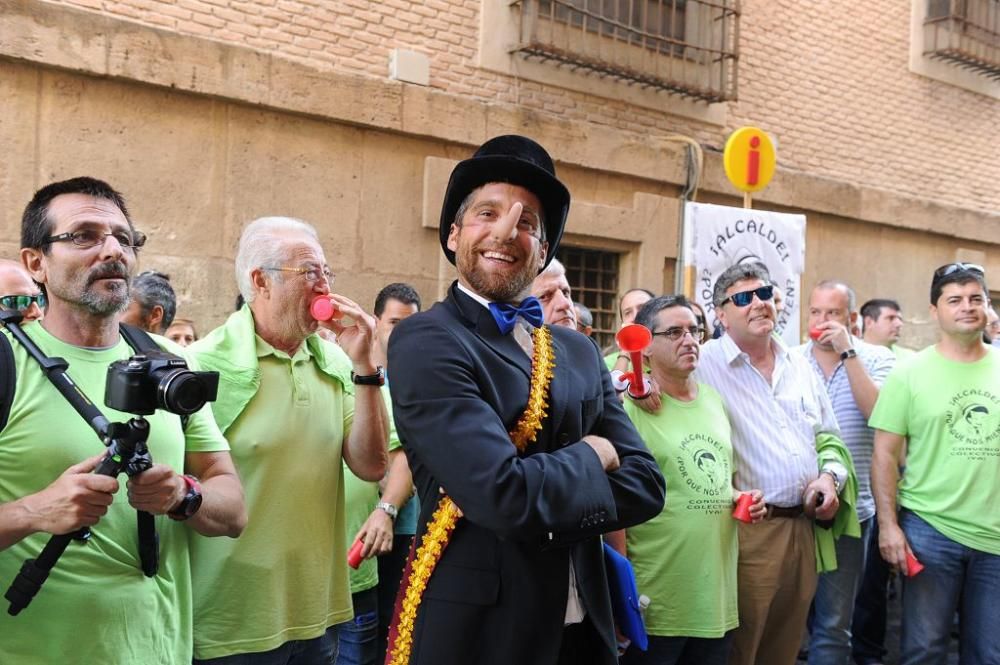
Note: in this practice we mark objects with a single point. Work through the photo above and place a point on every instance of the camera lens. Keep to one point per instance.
(181, 391)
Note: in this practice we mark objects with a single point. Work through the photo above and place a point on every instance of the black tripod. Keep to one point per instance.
(127, 452)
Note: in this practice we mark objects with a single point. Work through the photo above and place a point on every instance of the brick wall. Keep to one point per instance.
(828, 79)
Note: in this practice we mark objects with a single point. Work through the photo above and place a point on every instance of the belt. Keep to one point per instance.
(783, 511)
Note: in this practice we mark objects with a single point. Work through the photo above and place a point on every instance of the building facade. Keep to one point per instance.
(351, 113)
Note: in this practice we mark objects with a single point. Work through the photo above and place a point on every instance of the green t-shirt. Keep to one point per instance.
(285, 578)
(685, 557)
(950, 413)
(96, 606)
(361, 498)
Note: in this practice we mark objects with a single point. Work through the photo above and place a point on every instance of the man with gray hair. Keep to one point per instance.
(785, 442)
(852, 372)
(153, 302)
(294, 407)
(552, 290)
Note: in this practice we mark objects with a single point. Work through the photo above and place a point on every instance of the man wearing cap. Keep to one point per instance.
(508, 565)
(945, 404)
(18, 291)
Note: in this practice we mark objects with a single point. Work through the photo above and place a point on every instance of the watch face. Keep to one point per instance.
(191, 504)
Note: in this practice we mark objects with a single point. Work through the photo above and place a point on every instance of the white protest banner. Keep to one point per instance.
(716, 237)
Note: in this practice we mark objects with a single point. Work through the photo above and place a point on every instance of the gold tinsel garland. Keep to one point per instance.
(446, 516)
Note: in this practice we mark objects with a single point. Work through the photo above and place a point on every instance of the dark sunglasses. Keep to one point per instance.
(675, 334)
(952, 268)
(21, 303)
(744, 298)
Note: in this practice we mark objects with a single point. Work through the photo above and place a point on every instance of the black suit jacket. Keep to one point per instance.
(499, 592)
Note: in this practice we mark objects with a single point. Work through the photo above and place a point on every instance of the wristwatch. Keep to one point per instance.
(389, 509)
(191, 502)
(376, 379)
(836, 478)
(849, 353)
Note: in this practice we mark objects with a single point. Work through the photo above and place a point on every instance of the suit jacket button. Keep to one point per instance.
(563, 438)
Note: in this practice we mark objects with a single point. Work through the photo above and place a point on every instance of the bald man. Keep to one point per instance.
(19, 291)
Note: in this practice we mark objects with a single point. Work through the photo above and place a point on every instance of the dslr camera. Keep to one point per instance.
(158, 380)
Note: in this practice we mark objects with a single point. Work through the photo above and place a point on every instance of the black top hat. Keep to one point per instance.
(516, 160)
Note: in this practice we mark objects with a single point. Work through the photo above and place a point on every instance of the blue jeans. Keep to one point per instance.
(868, 626)
(955, 577)
(320, 650)
(681, 651)
(359, 636)
(833, 605)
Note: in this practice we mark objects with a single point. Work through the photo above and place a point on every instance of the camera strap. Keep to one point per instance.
(8, 379)
(137, 338)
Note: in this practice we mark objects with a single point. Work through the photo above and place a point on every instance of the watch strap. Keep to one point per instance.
(191, 502)
(376, 379)
(389, 509)
(849, 353)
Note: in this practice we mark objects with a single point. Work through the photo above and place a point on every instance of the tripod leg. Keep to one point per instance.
(149, 543)
(34, 572)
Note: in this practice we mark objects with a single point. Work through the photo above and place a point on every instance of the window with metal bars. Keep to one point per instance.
(593, 277)
(966, 33)
(687, 47)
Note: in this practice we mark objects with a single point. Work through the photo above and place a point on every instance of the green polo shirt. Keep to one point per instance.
(286, 577)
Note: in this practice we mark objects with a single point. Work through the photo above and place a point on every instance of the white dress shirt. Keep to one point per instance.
(774, 425)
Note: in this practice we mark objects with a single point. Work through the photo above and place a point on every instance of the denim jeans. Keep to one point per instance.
(359, 636)
(833, 605)
(681, 651)
(955, 577)
(870, 607)
(320, 650)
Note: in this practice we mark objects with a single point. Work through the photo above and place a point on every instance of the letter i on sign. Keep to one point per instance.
(753, 161)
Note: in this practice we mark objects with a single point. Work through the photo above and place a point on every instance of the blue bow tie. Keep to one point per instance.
(506, 315)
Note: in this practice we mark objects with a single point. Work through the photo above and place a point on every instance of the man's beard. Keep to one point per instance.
(110, 302)
(496, 287)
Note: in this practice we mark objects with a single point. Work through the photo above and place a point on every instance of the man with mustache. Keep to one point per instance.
(79, 243)
(515, 438)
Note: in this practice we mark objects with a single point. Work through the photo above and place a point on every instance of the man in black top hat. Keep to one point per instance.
(520, 578)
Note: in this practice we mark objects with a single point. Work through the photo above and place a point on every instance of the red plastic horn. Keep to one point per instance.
(633, 339)
(912, 565)
(742, 509)
(323, 309)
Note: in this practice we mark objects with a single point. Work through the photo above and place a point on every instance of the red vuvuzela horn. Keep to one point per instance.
(632, 339)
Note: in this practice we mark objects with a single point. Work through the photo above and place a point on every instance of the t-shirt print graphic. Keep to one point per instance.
(973, 422)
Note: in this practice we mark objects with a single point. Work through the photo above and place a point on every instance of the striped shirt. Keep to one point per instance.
(854, 429)
(774, 424)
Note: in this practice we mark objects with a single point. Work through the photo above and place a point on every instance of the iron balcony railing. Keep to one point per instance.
(965, 32)
(688, 47)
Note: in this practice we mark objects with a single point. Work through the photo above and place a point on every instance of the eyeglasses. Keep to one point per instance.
(952, 268)
(675, 334)
(22, 303)
(311, 274)
(87, 238)
(744, 298)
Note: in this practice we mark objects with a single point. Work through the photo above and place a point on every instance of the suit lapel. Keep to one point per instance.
(559, 387)
(480, 321)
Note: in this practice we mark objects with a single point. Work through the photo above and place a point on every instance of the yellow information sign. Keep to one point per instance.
(749, 159)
